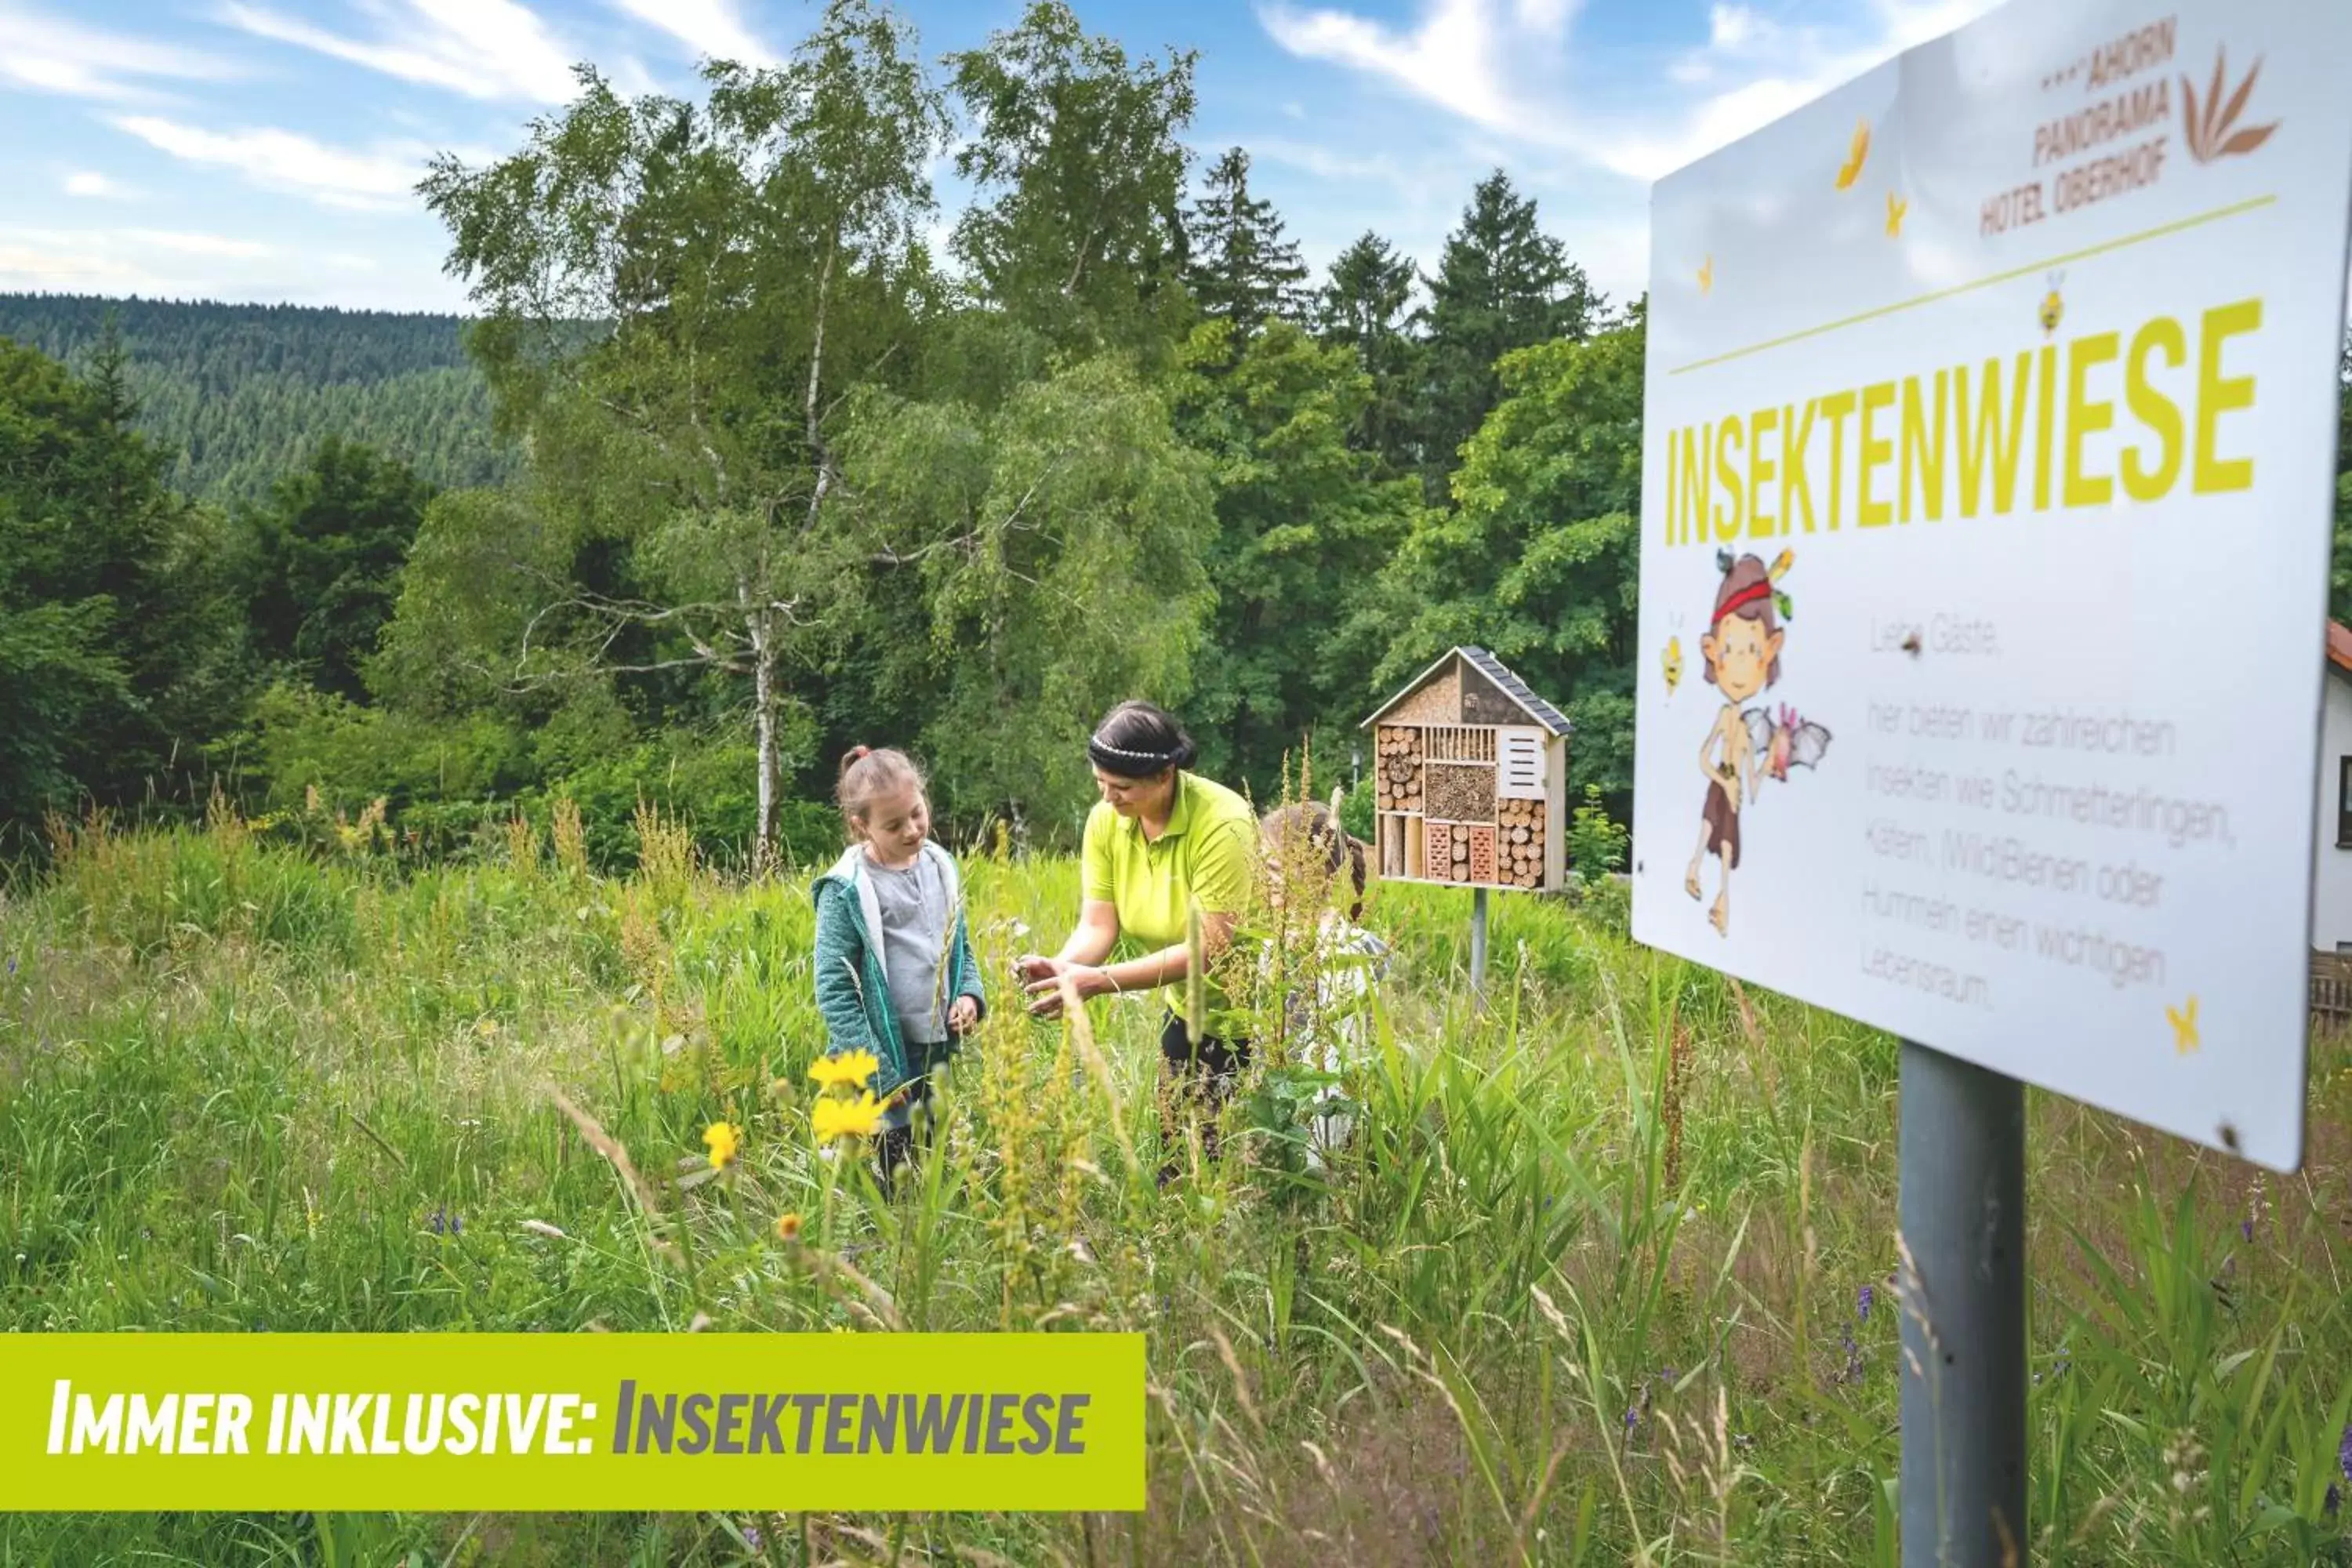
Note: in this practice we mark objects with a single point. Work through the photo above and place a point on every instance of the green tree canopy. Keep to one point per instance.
(1367, 303)
(325, 559)
(116, 636)
(1537, 559)
(1303, 528)
(1078, 231)
(1502, 284)
(1242, 270)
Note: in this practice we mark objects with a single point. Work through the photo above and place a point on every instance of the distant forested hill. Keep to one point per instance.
(241, 394)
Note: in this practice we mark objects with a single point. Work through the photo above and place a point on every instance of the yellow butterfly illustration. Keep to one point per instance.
(1706, 275)
(1896, 208)
(2184, 1025)
(1851, 170)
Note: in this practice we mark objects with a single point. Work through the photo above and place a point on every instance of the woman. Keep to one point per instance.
(1161, 837)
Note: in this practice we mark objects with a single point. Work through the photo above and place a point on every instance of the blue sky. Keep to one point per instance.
(266, 149)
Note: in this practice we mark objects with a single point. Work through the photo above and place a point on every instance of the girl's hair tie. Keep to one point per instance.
(861, 753)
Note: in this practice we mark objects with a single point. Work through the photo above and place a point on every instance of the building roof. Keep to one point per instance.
(2339, 645)
(1552, 720)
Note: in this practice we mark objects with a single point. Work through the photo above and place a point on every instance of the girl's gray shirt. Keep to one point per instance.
(916, 921)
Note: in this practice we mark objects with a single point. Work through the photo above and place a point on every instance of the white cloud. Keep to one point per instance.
(283, 159)
(491, 49)
(91, 183)
(1729, 27)
(711, 28)
(48, 54)
(1499, 64)
(1457, 59)
(187, 244)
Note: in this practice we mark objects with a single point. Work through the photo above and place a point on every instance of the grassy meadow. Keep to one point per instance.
(1604, 1278)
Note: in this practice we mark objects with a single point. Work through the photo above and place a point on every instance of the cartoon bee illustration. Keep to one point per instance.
(2054, 305)
(1673, 664)
(1706, 275)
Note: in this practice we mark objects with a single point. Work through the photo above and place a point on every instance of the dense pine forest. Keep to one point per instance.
(239, 396)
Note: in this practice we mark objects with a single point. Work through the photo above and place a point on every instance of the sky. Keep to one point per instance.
(268, 149)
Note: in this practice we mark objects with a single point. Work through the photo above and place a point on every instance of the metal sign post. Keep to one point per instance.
(1962, 1208)
(1478, 946)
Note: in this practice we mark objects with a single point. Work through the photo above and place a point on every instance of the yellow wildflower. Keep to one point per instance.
(850, 1069)
(788, 1227)
(847, 1118)
(723, 1141)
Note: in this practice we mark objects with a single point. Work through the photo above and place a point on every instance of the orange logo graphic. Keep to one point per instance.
(2211, 127)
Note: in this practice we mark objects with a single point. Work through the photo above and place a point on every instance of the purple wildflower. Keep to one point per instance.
(2246, 1227)
(1632, 1417)
(2334, 1499)
(2344, 1454)
(1863, 1300)
(753, 1539)
(1852, 1355)
(445, 1222)
(12, 964)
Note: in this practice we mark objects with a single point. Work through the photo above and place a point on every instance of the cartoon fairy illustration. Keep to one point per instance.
(1785, 739)
(1741, 651)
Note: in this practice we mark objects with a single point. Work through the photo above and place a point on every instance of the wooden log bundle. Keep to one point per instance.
(1397, 782)
(1519, 849)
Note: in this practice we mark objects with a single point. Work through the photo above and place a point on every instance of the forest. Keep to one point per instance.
(725, 472)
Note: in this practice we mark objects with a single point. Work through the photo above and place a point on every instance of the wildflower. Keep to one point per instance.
(847, 1118)
(2246, 1227)
(2344, 1454)
(723, 1141)
(444, 1222)
(850, 1069)
(753, 1539)
(1632, 1417)
(788, 1227)
(1863, 1300)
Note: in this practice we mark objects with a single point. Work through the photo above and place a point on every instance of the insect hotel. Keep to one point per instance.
(1472, 786)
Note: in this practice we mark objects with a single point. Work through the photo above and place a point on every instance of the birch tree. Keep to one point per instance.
(675, 299)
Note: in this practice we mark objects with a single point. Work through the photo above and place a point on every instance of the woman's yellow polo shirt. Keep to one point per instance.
(1207, 853)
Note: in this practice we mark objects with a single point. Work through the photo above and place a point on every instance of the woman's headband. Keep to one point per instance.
(1126, 763)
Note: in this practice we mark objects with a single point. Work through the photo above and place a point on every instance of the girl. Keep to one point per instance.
(1161, 837)
(1333, 962)
(895, 973)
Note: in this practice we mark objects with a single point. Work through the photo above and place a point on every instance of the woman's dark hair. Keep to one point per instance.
(1136, 740)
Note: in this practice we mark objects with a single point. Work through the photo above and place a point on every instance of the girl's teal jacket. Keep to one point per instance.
(852, 989)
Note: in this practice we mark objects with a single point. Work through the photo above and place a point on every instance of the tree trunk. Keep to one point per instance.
(764, 700)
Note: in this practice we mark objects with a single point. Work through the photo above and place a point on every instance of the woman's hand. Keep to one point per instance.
(1045, 995)
(962, 1016)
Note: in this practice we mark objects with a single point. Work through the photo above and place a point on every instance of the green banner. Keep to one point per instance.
(520, 1422)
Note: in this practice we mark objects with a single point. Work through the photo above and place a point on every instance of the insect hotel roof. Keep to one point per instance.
(1537, 711)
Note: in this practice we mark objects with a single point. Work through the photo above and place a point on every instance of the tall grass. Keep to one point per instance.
(1604, 1276)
